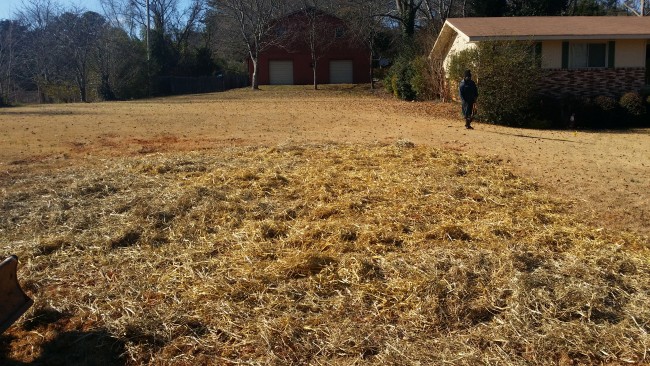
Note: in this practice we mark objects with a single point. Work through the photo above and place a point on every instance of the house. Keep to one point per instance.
(313, 37)
(580, 56)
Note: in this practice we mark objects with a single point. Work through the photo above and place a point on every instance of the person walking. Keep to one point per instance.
(468, 95)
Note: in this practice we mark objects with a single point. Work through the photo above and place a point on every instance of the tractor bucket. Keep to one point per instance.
(13, 301)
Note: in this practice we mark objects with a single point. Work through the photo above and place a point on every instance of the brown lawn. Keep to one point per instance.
(291, 226)
(606, 172)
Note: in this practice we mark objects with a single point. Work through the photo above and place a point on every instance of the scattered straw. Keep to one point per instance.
(327, 254)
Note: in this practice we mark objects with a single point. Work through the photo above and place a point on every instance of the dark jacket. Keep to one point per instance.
(468, 91)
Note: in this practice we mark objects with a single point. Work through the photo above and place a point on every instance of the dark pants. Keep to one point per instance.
(467, 111)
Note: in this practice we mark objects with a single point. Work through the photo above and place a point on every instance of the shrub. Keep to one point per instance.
(422, 78)
(632, 103)
(605, 103)
(401, 74)
(411, 79)
(61, 92)
(553, 113)
(507, 74)
(461, 61)
(603, 112)
(389, 83)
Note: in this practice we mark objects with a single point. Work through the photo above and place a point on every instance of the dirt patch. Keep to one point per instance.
(605, 173)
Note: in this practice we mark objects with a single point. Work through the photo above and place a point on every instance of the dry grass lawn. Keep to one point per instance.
(332, 227)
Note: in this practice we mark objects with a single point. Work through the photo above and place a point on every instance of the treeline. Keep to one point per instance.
(49, 53)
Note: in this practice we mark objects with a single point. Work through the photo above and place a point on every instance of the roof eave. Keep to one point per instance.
(558, 37)
(448, 31)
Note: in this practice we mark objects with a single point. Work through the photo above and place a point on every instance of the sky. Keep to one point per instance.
(9, 7)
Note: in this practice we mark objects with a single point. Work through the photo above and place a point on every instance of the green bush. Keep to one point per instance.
(594, 113)
(606, 115)
(410, 79)
(61, 92)
(422, 79)
(605, 103)
(507, 74)
(389, 83)
(632, 103)
(461, 61)
(587, 113)
(401, 75)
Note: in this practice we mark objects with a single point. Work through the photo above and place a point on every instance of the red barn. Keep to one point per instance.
(313, 37)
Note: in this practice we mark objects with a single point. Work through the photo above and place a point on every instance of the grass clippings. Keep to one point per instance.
(316, 254)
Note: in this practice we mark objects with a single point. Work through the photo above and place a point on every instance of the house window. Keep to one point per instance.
(647, 64)
(585, 55)
(339, 32)
(280, 31)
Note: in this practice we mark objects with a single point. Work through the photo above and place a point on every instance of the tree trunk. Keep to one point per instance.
(407, 11)
(254, 82)
(315, 81)
(81, 82)
(82, 95)
(372, 73)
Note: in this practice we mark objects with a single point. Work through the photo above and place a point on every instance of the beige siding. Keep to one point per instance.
(630, 53)
(552, 54)
(460, 44)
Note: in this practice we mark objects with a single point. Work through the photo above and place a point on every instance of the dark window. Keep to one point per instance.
(597, 54)
(584, 55)
(647, 64)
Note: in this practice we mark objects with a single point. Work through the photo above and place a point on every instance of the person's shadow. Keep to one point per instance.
(95, 347)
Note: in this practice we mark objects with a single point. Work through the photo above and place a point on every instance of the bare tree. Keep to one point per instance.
(187, 22)
(315, 29)
(437, 11)
(164, 16)
(365, 19)
(253, 23)
(638, 7)
(39, 58)
(77, 35)
(406, 15)
(11, 33)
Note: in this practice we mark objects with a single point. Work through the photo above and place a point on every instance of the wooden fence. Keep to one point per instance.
(176, 85)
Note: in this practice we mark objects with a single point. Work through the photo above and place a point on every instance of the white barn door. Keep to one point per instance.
(281, 72)
(341, 72)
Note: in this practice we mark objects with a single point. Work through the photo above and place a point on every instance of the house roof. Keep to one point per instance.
(541, 28)
(549, 28)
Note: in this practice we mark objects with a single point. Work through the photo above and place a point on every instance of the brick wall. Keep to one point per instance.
(592, 82)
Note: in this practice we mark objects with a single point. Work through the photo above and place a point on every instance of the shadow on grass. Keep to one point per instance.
(535, 137)
(17, 111)
(72, 348)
